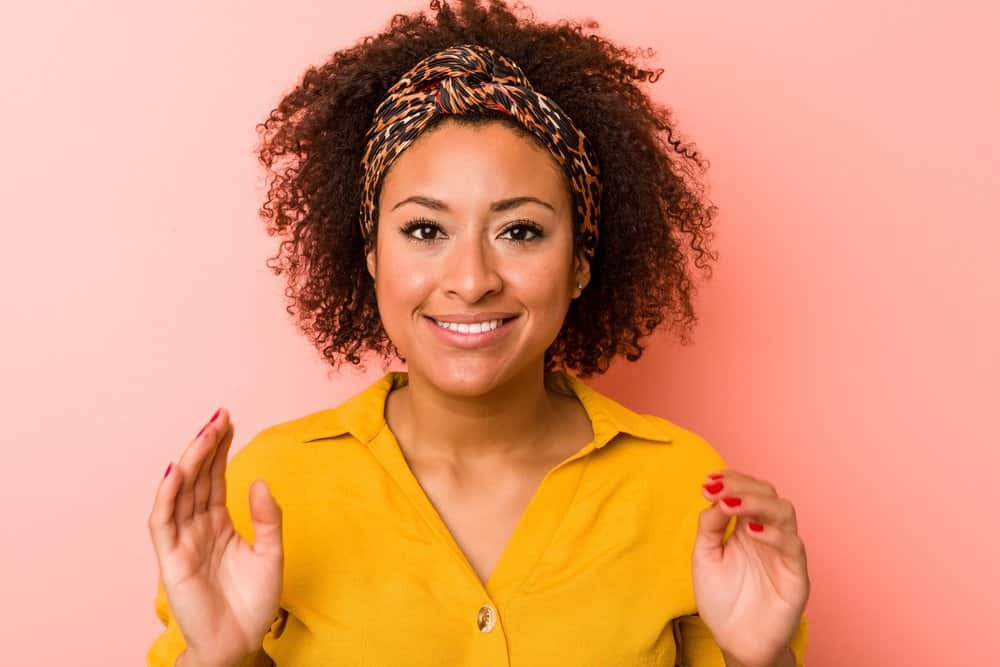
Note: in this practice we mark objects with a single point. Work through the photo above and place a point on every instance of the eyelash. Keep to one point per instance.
(424, 222)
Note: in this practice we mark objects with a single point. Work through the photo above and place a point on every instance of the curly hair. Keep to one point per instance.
(652, 208)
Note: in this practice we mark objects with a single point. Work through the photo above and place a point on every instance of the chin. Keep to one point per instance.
(467, 376)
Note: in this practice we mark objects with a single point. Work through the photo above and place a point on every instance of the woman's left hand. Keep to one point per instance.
(751, 591)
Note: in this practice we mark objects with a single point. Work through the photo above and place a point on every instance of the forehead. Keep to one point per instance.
(472, 162)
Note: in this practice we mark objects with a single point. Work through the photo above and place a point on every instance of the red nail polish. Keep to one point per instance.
(215, 415)
(202, 430)
(732, 502)
(168, 470)
(715, 476)
(712, 488)
(755, 527)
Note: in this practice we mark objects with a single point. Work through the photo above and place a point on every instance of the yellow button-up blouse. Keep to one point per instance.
(597, 572)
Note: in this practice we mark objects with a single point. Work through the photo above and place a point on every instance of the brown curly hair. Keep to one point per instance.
(652, 203)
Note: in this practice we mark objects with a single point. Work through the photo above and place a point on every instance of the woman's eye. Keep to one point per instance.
(518, 232)
(421, 231)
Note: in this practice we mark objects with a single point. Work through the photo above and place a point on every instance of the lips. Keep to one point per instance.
(470, 339)
(471, 326)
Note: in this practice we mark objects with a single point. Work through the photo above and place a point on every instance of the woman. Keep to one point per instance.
(485, 507)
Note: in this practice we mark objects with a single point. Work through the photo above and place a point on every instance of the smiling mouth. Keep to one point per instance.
(471, 328)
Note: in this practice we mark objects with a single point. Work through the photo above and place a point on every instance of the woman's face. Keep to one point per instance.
(465, 249)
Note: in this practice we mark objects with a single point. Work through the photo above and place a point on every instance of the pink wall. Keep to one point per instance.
(847, 350)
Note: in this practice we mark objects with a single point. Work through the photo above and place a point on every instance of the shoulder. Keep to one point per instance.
(284, 451)
(686, 444)
(291, 467)
(654, 436)
(321, 442)
(270, 444)
(667, 455)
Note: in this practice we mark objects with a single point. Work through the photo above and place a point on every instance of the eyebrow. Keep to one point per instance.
(499, 206)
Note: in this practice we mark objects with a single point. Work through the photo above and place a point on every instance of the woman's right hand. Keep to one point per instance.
(222, 591)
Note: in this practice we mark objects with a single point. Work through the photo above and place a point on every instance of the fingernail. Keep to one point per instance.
(732, 502)
(755, 527)
(209, 422)
(169, 467)
(717, 475)
(714, 487)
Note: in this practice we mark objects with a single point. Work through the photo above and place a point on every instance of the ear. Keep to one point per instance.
(370, 259)
(581, 272)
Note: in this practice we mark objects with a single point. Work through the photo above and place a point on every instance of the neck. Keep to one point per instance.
(508, 424)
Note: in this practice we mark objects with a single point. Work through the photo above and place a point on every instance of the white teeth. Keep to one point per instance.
(474, 328)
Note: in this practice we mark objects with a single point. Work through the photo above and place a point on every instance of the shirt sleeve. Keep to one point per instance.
(698, 648)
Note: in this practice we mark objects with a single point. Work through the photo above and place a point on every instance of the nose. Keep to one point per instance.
(470, 271)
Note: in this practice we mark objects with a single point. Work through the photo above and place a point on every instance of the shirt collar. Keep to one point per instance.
(363, 414)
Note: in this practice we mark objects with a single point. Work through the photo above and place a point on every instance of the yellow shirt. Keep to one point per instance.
(597, 572)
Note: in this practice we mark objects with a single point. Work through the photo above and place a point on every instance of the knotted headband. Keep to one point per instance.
(466, 78)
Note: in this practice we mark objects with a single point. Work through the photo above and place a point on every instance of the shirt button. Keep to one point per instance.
(486, 618)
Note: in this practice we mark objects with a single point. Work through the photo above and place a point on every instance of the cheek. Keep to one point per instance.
(400, 291)
(402, 284)
(541, 285)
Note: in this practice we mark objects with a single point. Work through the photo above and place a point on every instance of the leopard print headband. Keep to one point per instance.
(465, 78)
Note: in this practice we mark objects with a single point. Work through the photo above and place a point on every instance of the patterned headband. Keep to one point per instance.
(471, 77)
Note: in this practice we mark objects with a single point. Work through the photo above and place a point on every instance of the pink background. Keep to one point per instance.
(847, 349)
